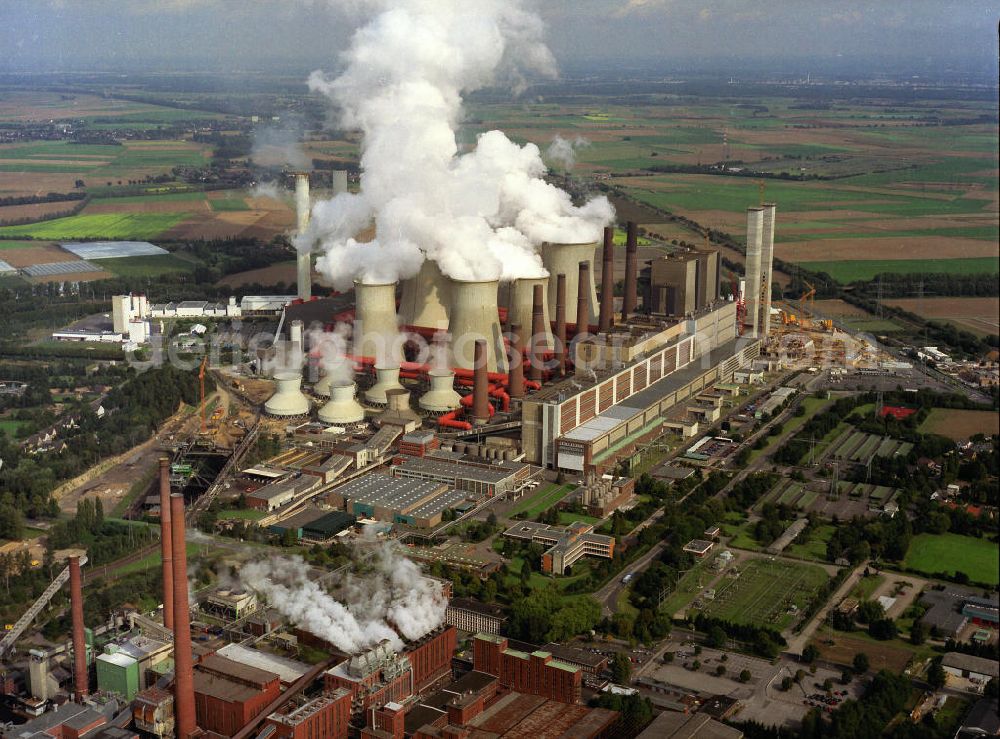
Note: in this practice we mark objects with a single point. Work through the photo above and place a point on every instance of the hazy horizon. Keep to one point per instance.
(922, 37)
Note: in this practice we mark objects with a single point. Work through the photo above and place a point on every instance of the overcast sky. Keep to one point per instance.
(228, 35)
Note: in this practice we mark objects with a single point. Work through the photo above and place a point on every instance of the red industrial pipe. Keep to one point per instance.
(560, 337)
(184, 711)
(582, 327)
(448, 420)
(606, 314)
(537, 335)
(631, 270)
(480, 388)
(516, 386)
(81, 683)
(166, 548)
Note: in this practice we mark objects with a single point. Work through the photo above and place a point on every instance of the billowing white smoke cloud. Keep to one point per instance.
(279, 146)
(479, 215)
(561, 153)
(387, 599)
(330, 349)
(268, 190)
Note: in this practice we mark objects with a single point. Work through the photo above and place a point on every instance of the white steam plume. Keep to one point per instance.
(280, 146)
(330, 348)
(479, 215)
(387, 599)
(561, 153)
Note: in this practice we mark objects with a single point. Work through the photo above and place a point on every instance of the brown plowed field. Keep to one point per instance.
(283, 272)
(980, 316)
(840, 309)
(43, 254)
(890, 247)
(843, 649)
(35, 210)
(38, 183)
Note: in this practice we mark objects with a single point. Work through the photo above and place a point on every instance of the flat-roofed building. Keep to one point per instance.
(566, 544)
(537, 673)
(472, 615)
(481, 479)
(414, 502)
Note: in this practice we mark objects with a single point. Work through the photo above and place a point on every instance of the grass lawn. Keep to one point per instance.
(153, 560)
(866, 586)
(242, 514)
(866, 269)
(11, 427)
(541, 499)
(952, 553)
(959, 424)
(815, 546)
(765, 591)
(566, 518)
(139, 226)
(740, 536)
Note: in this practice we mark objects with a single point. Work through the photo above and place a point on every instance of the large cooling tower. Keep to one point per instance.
(342, 409)
(755, 233)
(386, 379)
(565, 259)
(424, 300)
(376, 332)
(288, 400)
(474, 316)
(442, 397)
(766, 267)
(303, 262)
(520, 305)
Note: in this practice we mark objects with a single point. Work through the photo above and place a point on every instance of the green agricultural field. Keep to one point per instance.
(148, 266)
(977, 558)
(19, 244)
(153, 197)
(229, 204)
(765, 592)
(959, 424)
(863, 270)
(110, 226)
(542, 499)
(814, 547)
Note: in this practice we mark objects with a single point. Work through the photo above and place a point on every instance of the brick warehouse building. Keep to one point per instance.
(430, 656)
(536, 673)
(327, 716)
(228, 694)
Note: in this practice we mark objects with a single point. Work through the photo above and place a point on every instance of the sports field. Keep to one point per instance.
(957, 424)
(541, 499)
(977, 558)
(766, 593)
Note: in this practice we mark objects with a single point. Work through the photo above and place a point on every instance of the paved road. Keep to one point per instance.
(607, 596)
(798, 641)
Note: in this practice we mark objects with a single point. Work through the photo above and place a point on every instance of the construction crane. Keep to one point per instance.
(741, 307)
(201, 380)
(761, 186)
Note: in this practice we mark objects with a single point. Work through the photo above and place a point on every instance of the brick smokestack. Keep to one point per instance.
(583, 301)
(606, 316)
(560, 341)
(516, 388)
(480, 386)
(631, 270)
(537, 333)
(183, 667)
(166, 547)
(80, 674)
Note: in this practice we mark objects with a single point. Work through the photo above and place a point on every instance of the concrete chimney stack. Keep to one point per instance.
(631, 270)
(473, 317)
(754, 274)
(539, 329)
(767, 267)
(376, 331)
(516, 389)
(522, 305)
(560, 337)
(339, 181)
(607, 282)
(303, 261)
(563, 259)
(583, 308)
(183, 663)
(480, 386)
(166, 548)
(81, 682)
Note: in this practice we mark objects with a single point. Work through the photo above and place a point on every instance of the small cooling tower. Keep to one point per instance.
(322, 386)
(386, 379)
(342, 409)
(424, 299)
(474, 316)
(565, 259)
(288, 400)
(398, 411)
(376, 333)
(441, 398)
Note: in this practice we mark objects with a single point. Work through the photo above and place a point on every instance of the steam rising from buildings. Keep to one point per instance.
(387, 599)
(561, 153)
(279, 146)
(479, 215)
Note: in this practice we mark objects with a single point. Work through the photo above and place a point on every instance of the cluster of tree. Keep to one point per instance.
(51, 197)
(635, 712)
(987, 651)
(760, 640)
(545, 615)
(476, 531)
(104, 540)
(860, 539)
(885, 696)
(77, 206)
(896, 285)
